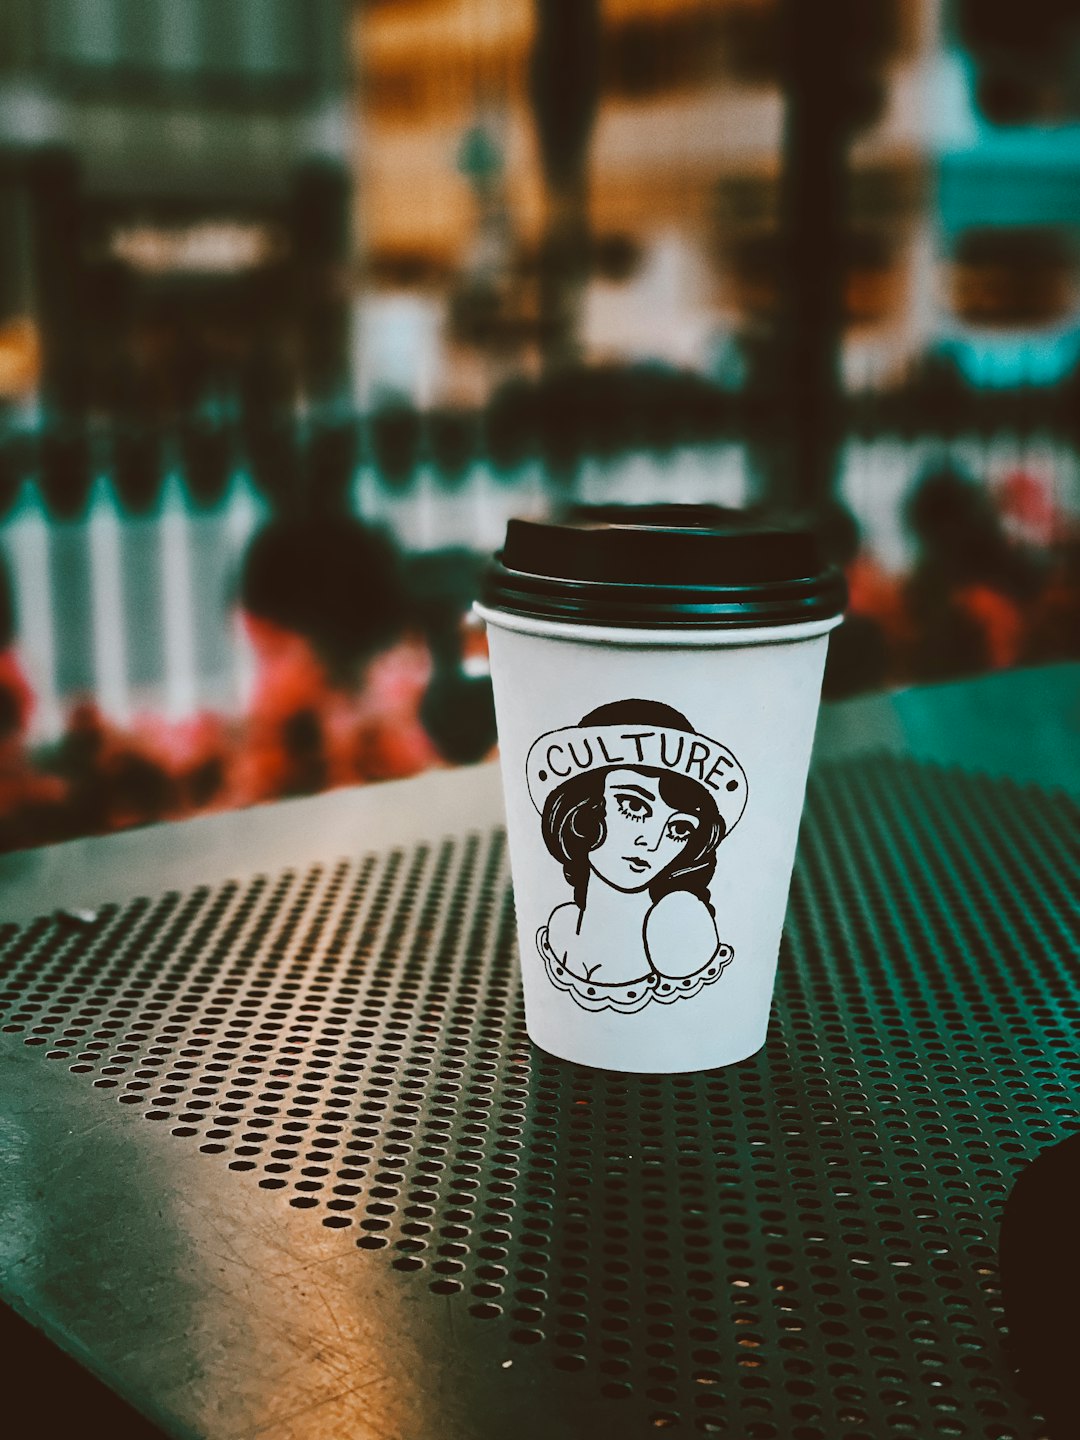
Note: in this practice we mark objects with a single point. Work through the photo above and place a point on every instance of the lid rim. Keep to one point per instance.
(657, 585)
(529, 580)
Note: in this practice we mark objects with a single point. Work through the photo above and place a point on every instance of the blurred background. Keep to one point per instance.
(299, 302)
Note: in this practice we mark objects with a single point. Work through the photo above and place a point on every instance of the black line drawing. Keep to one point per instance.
(634, 804)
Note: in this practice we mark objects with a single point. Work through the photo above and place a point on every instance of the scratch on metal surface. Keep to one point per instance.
(333, 1318)
(230, 1252)
(288, 1416)
(106, 1121)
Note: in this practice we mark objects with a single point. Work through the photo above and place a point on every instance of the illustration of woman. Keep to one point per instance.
(634, 804)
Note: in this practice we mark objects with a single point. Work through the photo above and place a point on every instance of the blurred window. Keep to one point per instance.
(1025, 57)
(200, 44)
(650, 55)
(1013, 278)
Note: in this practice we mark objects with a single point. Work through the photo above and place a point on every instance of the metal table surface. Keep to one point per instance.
(277, 1158)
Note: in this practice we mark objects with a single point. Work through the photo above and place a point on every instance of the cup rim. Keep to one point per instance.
(667, 638)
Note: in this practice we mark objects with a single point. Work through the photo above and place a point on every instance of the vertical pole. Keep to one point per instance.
(813, 214)
(320, 226)
(54, 186)
(564, 88)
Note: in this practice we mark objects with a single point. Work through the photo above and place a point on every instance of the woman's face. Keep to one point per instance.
(643, 835)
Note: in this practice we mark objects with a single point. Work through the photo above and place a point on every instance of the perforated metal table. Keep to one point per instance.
(279, 1160)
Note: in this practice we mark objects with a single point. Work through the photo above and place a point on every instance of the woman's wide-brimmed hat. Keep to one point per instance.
(561, 755)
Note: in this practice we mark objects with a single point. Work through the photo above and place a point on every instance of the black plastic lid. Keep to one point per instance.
(671, 566)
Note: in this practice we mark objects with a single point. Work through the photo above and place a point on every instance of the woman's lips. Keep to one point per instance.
(636, 863)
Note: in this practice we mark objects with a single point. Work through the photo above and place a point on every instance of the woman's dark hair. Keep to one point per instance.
(573, 822)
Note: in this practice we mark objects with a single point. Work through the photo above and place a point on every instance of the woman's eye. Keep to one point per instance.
(633, 807)
(680, 830)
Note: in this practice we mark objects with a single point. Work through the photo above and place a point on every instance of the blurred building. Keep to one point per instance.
(173, 187)
(1005, 132)
(279, 275)
(683, 168)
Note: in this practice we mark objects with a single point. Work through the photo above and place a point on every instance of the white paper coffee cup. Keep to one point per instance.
(654, 778)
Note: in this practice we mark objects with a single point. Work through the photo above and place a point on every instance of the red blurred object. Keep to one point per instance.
(24, 790)
(1054, 631)
(306, 729)
(16, 698)
(195, 755)
(999, 620)
(874, 592)
(474, 646)
(303, 732)
(1027, 508)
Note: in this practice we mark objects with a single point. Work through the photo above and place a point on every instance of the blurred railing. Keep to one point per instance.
(124, 544)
